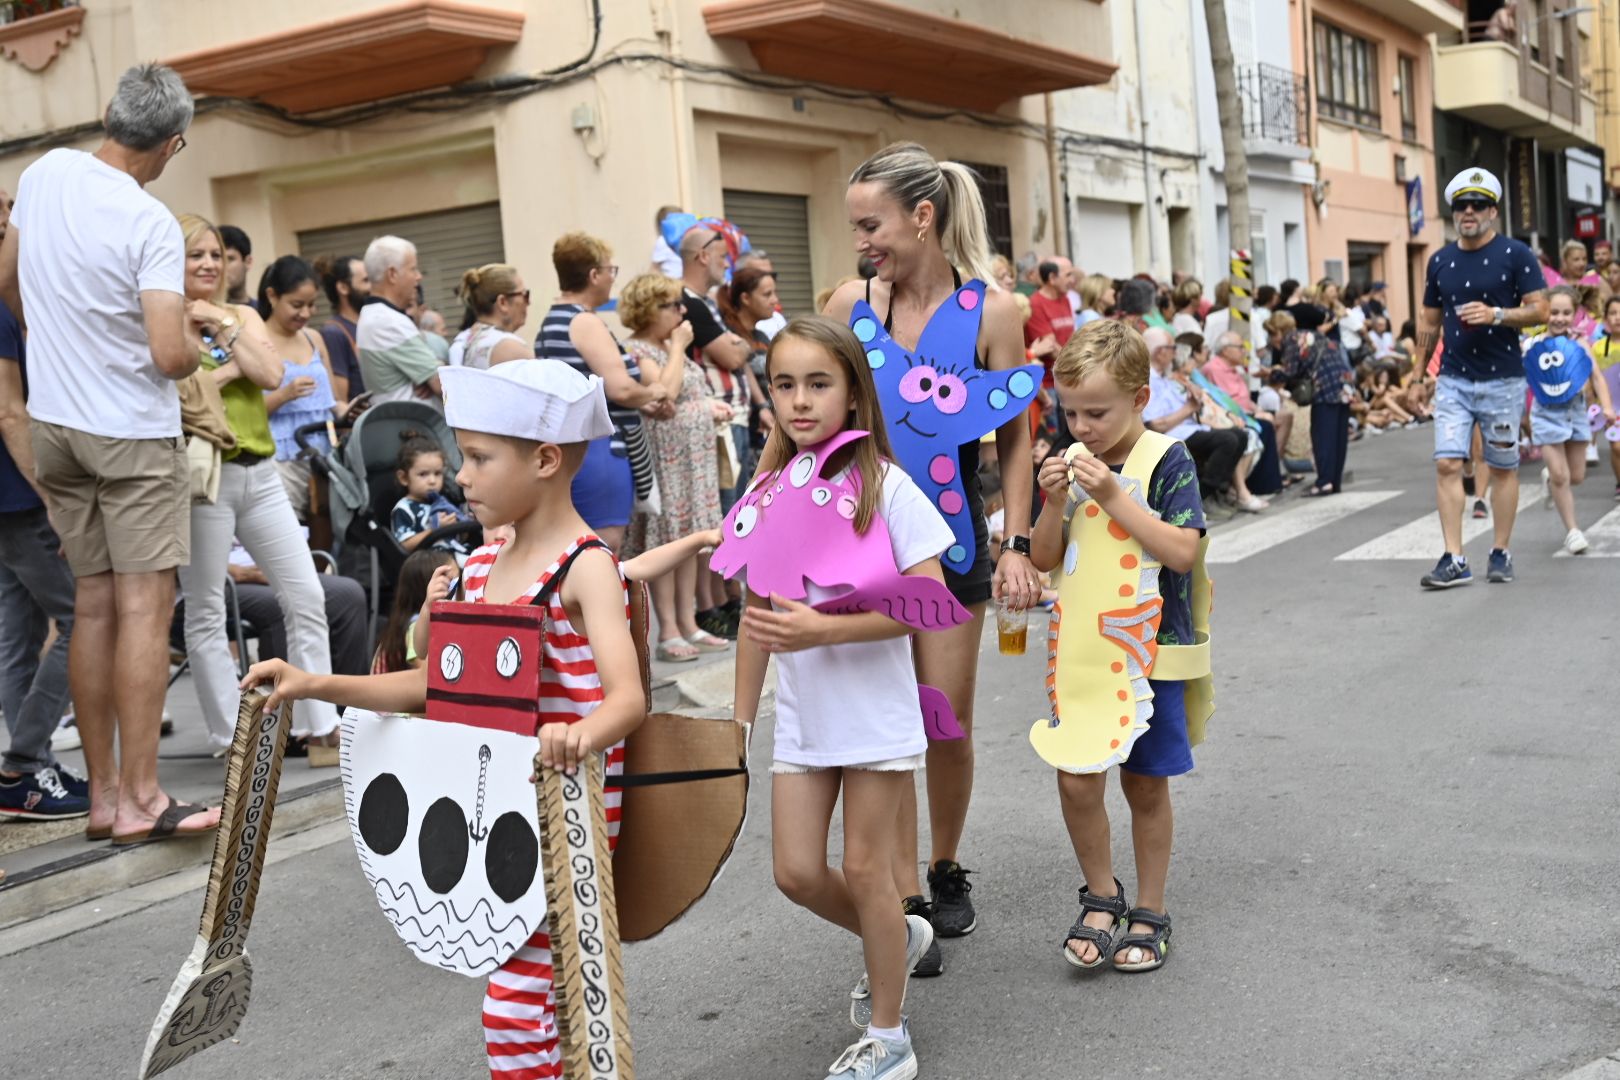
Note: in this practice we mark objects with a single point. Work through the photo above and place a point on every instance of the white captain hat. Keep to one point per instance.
(542, 400)
(1474, 181)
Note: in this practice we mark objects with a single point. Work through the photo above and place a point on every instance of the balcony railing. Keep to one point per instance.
(1275, 104)
(17, 10)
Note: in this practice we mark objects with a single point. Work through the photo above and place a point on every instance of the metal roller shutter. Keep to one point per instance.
(448, 243)
(780, 224)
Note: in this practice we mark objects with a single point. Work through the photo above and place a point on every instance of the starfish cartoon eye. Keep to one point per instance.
(747, 518)
(950, 396)
(918, 384)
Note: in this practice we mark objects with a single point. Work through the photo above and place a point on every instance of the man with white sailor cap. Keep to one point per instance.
(1481, 289)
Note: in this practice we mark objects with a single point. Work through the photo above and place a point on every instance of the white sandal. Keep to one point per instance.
(666, 651)
(703, 641)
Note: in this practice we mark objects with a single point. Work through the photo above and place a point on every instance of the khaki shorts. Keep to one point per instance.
(120, 504)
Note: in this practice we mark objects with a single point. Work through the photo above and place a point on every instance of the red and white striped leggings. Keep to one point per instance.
(520, 1016)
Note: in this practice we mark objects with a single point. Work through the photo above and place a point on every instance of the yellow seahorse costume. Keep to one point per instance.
(1098, 682)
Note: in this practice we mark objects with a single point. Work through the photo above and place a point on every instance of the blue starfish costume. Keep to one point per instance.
(937, 399)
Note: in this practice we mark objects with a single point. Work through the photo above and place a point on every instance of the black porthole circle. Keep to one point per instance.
(511, 856)
(442, 845)
(385, 814)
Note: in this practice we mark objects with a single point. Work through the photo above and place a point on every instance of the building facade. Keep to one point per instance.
(323, 123)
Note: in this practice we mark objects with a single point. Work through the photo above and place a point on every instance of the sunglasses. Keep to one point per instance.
(673, 305)
(1478, 206)
(524, 294)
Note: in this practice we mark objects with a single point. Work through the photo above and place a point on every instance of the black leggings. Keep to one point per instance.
(1216, 454)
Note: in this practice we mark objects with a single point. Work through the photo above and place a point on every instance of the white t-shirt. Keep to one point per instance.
(856, 704)
(483, 339)
(90, 242)
(1351, 323)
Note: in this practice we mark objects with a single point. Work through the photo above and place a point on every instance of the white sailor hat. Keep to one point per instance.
(1474, 181)
(541, 400)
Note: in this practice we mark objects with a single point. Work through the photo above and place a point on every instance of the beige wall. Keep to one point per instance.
(661, 135)
(1365, 203)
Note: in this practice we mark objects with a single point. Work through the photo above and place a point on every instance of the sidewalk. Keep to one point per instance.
(50, 865)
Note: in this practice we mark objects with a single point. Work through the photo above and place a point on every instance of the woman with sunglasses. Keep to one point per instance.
(497, 307)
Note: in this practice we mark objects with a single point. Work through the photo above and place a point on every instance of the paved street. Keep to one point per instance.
(1397, 858)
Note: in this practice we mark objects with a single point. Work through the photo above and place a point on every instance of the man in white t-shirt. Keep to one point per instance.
(395, 358)
(95, 267)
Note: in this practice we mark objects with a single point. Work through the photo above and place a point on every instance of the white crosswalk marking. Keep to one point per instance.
(1421, 539)
(1279, 527)
(1604, 536)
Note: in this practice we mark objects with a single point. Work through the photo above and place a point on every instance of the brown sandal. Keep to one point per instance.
(167, 826)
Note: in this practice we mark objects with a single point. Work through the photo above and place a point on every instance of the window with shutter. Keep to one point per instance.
(997, 198)
(780, 226)
(448, 244)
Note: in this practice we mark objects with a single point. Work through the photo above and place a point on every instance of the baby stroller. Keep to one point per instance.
(364, 489)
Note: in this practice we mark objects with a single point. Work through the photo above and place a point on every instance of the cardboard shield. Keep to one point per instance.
(209, 997)
(441, 807)
(685, 798)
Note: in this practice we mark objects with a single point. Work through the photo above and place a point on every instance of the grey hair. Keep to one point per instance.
(386, 253)
(1135, 297)
(150, 106)
(1231, 337)
(910, 175)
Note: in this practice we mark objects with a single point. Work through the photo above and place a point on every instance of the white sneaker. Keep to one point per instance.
(66, 736)
(1546, 486)
(919, 935)
(1591, 453)
(1575, 543)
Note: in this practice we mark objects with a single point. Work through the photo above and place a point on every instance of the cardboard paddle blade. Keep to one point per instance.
(675, 837)
(209, 997)
(593, 1018)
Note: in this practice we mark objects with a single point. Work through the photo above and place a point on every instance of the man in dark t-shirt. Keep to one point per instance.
(1483, 288)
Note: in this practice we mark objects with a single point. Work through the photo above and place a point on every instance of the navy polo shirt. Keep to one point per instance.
(1500, 274)
(16, 493)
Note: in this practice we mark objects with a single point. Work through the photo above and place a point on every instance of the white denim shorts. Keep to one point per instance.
(913, 763)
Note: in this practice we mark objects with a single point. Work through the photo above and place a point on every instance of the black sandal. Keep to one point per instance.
(1158, 942)
(1103, 939)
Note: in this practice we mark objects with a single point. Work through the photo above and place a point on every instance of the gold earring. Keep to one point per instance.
(920, 234)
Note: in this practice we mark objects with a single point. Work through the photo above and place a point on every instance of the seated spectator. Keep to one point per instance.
(1174, 408)
(1134, 304)
(423, 508)
(345, 615)
(1186, 300)
(1381, 339)
(252, 507)
(398, 363)
(497, 300)
(398, 648)
(652, 308)
(1260, 469)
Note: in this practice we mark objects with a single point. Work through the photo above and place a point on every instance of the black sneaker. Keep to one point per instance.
(932, 963)
(953, 914)
(41, 796)
(1468, 484)
(1481, 511)
(714, 622)
(1500, 569)
(1449, 572)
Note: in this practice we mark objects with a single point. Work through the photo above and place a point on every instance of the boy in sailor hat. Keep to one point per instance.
(523, 428)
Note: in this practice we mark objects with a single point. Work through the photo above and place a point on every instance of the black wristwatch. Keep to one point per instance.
(1019, 544)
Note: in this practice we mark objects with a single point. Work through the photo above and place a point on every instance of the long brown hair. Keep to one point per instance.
(729, 298)
(869, 454)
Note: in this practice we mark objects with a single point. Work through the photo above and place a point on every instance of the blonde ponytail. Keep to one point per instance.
(962, 231)
(909, 173)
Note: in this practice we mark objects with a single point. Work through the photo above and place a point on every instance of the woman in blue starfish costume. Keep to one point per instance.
(948, 359)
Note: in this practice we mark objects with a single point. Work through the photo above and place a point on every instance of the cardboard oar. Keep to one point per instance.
(210, 995)
(593, 1024)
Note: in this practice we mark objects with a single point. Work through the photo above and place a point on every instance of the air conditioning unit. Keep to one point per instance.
(1400, 168)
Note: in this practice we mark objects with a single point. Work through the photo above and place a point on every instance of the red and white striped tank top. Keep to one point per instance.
(569, 685)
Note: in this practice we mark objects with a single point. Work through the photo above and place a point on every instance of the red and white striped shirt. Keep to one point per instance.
(520, 1023)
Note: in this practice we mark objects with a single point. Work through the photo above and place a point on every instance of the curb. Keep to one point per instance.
(104, 869)
(1605, 1068)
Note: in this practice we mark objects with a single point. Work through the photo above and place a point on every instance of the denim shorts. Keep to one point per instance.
(1551, 424)
(1496, 405)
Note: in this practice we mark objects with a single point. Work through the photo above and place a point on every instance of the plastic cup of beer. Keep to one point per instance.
(1012, 629)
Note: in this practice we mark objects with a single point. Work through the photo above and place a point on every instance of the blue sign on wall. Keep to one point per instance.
(1414, 204)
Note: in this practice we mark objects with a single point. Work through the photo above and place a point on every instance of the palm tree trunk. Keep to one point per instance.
(1237, 163)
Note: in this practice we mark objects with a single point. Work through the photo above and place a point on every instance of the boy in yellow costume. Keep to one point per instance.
(1128, 676)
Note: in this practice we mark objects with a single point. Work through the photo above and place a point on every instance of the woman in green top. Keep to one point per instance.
(252, 509)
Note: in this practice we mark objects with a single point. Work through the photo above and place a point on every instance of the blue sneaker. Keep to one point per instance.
(41, 796)
(1500, 568)
(877, 1059)
(1449, 571)
(76, 784)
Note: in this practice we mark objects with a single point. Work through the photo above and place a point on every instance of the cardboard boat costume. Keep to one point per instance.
(1108, 595)
(796, 526)
(937, 399)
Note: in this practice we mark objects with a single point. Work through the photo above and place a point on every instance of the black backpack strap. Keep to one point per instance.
(543, 597)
